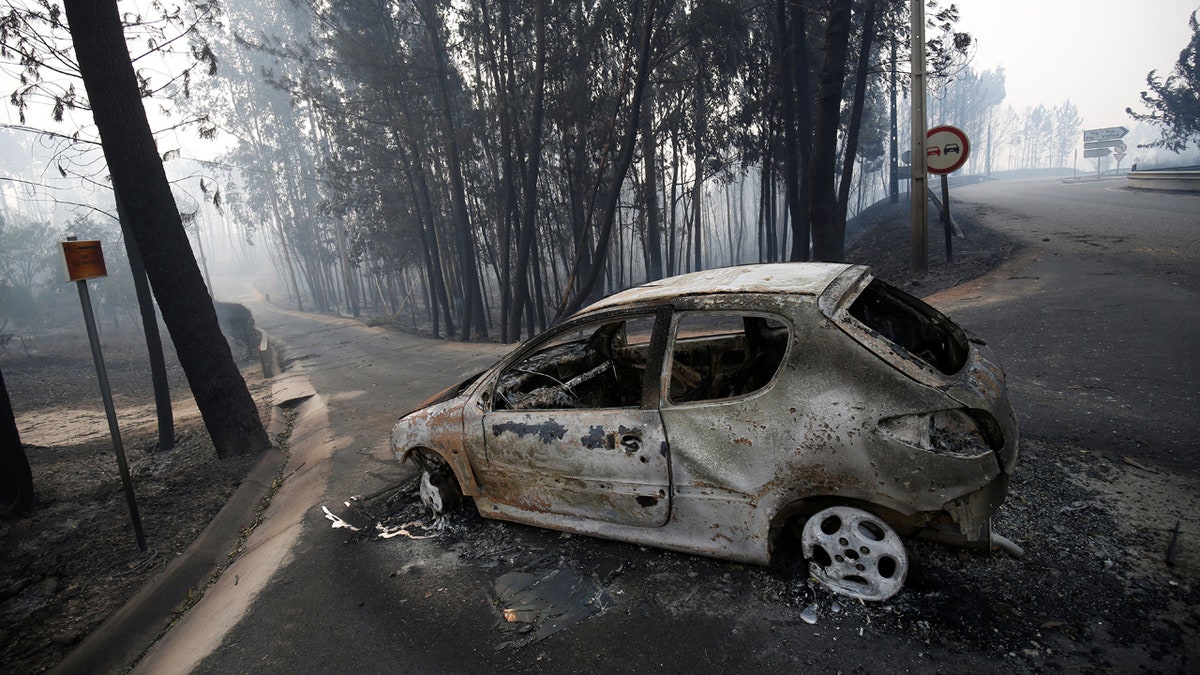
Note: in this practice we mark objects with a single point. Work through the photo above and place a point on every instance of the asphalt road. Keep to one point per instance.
(1096, 326)
(1096, 323)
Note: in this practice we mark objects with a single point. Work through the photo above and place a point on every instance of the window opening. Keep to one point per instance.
(912, 325)
(599, 365)
(717, 356)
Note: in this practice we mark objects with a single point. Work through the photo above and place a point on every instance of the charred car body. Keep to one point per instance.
(728, 412)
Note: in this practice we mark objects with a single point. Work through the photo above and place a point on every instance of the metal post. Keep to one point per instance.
(94, 338)
(946, 227)
(920, 178)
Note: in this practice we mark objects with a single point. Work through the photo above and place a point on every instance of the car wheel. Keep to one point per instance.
(437, 486)
(854, 553)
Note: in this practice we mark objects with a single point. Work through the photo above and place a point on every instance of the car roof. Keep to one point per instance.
(782, 278)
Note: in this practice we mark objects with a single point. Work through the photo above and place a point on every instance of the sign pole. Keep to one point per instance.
(946, 218)
(84, 258)
(947, 150)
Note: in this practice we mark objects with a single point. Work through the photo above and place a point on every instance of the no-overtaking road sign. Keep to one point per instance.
(946, 149)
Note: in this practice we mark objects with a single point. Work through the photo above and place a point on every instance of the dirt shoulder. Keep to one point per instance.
(880, 237)
(74, 561)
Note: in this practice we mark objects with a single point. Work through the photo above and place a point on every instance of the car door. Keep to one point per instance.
(571, 425)
(727, 423)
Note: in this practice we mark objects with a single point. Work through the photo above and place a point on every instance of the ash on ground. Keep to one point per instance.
(1093, 592)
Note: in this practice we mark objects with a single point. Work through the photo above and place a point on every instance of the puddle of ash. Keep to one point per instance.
(538, 604)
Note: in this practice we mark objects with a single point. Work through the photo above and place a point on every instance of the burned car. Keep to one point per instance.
(736, 413)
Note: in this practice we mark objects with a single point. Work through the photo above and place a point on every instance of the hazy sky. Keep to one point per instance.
(1094, 52)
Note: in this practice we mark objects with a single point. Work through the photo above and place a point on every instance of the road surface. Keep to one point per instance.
(1097, 323)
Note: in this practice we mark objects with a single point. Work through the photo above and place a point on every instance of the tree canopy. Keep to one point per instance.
(479, 172)
(1173, 102)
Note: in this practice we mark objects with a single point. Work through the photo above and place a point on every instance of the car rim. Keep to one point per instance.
(855, 553)
(431, 495)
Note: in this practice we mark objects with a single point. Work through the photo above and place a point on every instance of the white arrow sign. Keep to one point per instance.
(1118, 145)
(1105, 134)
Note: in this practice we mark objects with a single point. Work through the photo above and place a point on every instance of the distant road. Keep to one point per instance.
(1097, 324)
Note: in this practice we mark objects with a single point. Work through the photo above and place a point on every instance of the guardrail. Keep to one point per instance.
(1175, 181)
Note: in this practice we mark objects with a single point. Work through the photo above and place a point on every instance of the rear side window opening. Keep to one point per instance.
(719, 355)
(912, 325)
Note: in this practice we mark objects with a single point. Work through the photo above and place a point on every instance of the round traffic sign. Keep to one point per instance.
(946, 149)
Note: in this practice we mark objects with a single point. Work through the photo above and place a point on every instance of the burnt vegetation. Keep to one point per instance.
(476, 172)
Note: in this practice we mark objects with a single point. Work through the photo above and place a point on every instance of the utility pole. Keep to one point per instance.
(920, 177)
(893, 171)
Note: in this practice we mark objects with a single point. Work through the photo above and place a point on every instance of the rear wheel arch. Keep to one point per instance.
(783, 539)
(850, 546)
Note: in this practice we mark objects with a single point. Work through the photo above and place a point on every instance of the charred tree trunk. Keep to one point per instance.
(852, 129)
(473, 315)
(828, 245)
(893, 149)
(427, 227)
(137, 173)
(16, 479)
(154, 347)
(654, 259)
(529, 196)
(698, 150)
(624, 159)
(797, 124)
(347, 271)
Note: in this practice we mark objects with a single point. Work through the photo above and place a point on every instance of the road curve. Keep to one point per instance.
(1096, 321)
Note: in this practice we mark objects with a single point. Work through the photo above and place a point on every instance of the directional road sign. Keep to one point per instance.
(1097, 152)
(1105, 134)
(1118, 146)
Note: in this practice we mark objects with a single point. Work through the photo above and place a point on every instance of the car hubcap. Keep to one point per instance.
(855, 553)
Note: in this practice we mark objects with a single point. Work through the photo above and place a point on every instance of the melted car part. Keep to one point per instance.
(912, 324)
(854, 553)
(438, 489)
